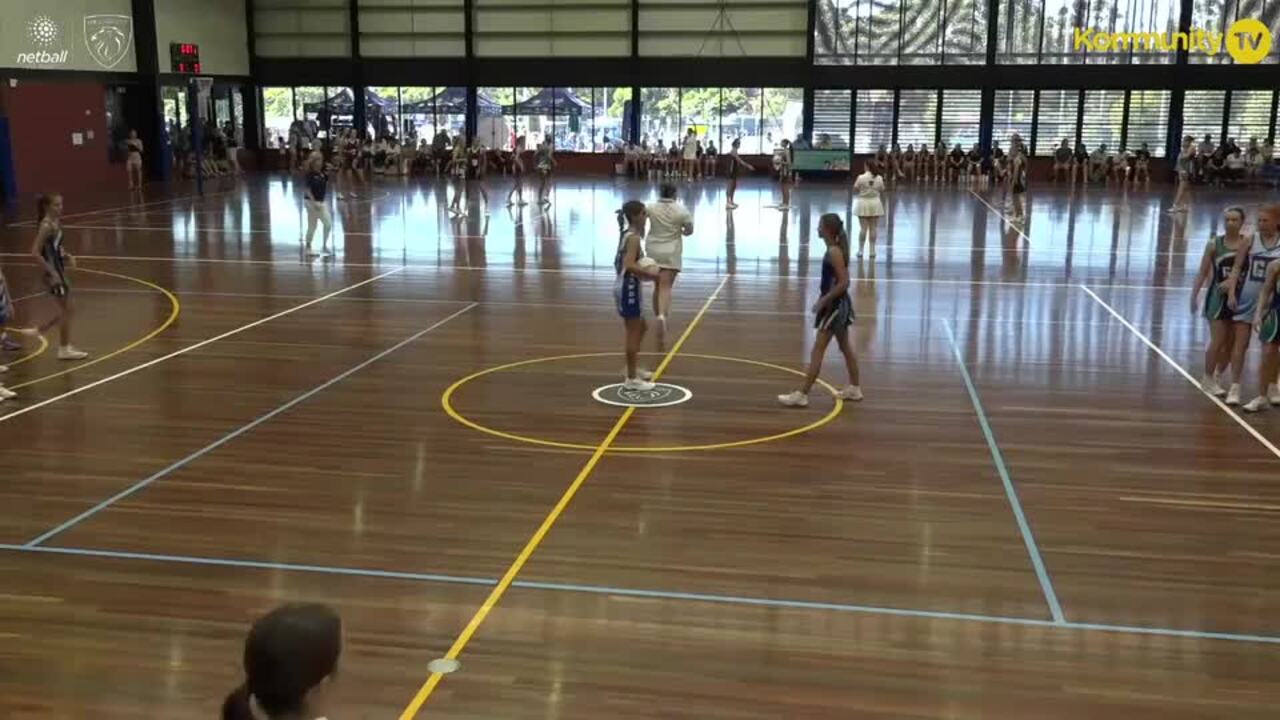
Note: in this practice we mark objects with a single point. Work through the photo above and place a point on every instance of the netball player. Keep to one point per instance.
(1061, 162)
(1080, 164)
(1215, 268)
(627, 291)
(909, 162)
(1263, 252)
(1185, 165)
(940, 163)
(55, 260)
(545, 161)
(833, 314)
(689, 155)
(1244, 287)
(517, 171)
(458, 171)
(134, 164)
(669, 223)
(1017, 177)
(290, 660)
(1142, 165)
(736, 165)
(315, 197)
(868, 208)
(786, 174)
(6, 325)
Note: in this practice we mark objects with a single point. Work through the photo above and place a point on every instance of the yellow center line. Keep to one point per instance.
(495, 596)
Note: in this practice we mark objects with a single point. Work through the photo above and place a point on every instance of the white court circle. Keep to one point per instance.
(662, 395)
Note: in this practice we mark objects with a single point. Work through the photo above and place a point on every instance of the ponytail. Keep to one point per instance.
(835, 225)
(42, 205)
(622, 223)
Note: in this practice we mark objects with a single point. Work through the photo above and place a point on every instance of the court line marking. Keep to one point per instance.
(189, 348)
(175, 309)
(446, 401)
(608, 271)
(1183, 372)
(429, 685)
(639, 593)
(1014, 225)
(131, 206)
(47, 535)
(1028, 539)
(44, 345)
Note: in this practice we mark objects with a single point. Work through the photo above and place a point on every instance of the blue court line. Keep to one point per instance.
(638, 593)
(1046, 585)
(237, 433)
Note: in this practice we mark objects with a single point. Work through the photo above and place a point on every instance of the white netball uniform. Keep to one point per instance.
(869, 186)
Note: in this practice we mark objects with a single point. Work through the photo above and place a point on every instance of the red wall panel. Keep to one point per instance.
(42, 118)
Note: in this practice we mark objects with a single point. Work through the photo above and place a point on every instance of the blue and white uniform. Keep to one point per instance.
(51, 251)
(6, 303)
(627, 291)
(1255, 274)
(839, 312)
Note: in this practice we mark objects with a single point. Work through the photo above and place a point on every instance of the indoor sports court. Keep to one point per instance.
(338, 339)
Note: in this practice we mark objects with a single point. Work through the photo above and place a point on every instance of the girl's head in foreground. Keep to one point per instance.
(290, 658)
(831, 230)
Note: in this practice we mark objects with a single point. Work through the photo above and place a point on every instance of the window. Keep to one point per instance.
(495, 117)
(1137, 16)
(612, 112)
(831, 111)
(660, 116)
(277, 114)
(1217, 16)
(1103, 118)
(700, 110)
(1018, 32)
(1202, 114)
(732, 28)
(892, 32)
(403, 28)
(873, 120)
(1043, 31)
(1056, 119)
(582, 123)
(1012, 114)
(528, 28)
(961, 113)
(1148, 120)
(382, 113)
(1250, 115)
(917, 117)
(783, 115)
(740, 118)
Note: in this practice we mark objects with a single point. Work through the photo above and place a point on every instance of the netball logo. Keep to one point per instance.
(661, 395)
(108, 38)
(45, 35)
(43, 31)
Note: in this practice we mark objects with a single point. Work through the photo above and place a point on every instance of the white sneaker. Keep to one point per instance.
(1257, 404)
(67, 352)
(6, 393)
(311, 253)
(794, 399)
(850, 392)
(640, 373)
(1233, 395)
(731, 206)
(326, 252)
(1210, 386)
(637, 384)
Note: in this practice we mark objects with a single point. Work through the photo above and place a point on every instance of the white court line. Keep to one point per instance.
(31, 223)
(1010, 223)
(189, 348)
(1183, 372)
(609, 269)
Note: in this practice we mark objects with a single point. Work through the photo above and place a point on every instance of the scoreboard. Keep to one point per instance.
(184, 57)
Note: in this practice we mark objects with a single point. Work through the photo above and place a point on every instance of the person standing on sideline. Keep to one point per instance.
(669, 223)
(736, 166)
(833, 314)
(1185, 165)
(317, 188)
(517, 174)
(868, 207)
(690, 154)
(134, 164)
(545, 161)
(54, 259)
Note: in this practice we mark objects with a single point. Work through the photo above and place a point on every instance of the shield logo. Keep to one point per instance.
(108, 38)
(656, 395)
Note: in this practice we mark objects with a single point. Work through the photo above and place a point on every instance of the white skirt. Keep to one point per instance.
(868, 207)
(690, 154)
(666, 254)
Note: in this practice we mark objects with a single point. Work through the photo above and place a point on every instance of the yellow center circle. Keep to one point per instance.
(446, 400)
(1248, 41)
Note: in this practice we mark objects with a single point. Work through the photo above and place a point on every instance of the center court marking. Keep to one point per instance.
(446, 401)
(237, 433)
(175, 309)
(195, 346)
(433, 680)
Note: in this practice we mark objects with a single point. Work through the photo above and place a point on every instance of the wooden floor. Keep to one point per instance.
(1034, 514)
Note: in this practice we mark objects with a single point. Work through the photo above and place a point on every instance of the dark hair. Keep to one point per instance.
(667, 190)
(627, 214)
(1236, 209)
(836, 224)
(42, 205)
(289, 651)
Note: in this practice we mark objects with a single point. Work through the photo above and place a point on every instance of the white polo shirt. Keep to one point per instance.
(665, 240)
